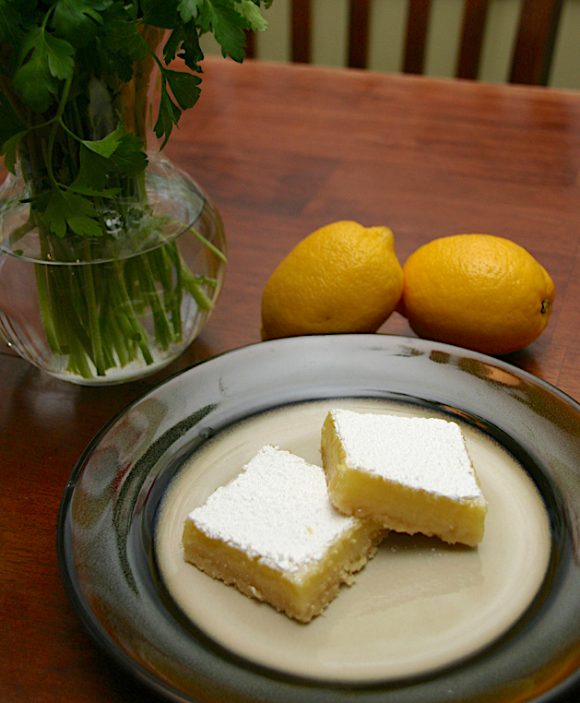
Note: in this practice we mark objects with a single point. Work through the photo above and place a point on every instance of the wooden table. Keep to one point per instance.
(283, 150)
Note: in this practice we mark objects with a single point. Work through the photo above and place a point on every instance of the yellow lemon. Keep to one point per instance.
(341, 278)
(477, 291)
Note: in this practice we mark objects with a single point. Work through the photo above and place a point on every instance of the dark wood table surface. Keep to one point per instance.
(284, 150)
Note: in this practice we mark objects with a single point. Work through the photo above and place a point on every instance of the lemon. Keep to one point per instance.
(478, 291)
(341, 278)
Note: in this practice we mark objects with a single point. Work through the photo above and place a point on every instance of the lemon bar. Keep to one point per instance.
(274, 535)
(408, 474)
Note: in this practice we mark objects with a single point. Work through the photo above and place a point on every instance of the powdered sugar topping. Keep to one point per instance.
(421, 453)
(277, 510)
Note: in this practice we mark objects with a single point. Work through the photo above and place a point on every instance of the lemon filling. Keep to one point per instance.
(408, 474)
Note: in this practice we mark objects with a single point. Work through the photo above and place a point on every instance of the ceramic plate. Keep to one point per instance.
(423, 622)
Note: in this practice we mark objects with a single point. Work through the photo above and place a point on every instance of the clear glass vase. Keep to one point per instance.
(118, 307)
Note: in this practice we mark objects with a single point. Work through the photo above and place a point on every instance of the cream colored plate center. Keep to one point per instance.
(418, 605)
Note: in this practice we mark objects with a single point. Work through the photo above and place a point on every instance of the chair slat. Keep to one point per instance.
(416, 36)
(472, 34)
(301, 18)
(535, 40)
(358, 33)
(250, 45)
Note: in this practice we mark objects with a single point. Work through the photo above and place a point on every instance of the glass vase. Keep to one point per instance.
(114, 308)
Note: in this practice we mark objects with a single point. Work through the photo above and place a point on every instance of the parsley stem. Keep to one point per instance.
(214, 250)
(46, 313)
(53, 132)
(88, 285)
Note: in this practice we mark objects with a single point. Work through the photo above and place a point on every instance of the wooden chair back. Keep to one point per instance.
(531, 57)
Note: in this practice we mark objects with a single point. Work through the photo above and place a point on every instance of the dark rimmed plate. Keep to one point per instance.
(108, 513)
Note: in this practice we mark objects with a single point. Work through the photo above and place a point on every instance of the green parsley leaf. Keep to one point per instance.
(184, 39)
(129, 159)
(186, 91)
(119, 153)
(118, 44)
(10, 150)
(34, 81)
(169, 114)
(251, 13)
(160, 13)
(228, 28)
(106, 146)
(84, 226)
(60, 57)
(184, 86)
(188, 9)
(93, 171)
(121, 37)
(45, 60)
(66, 210)
(78, 20)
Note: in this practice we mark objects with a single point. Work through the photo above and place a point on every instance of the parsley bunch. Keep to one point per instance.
(75, 85)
